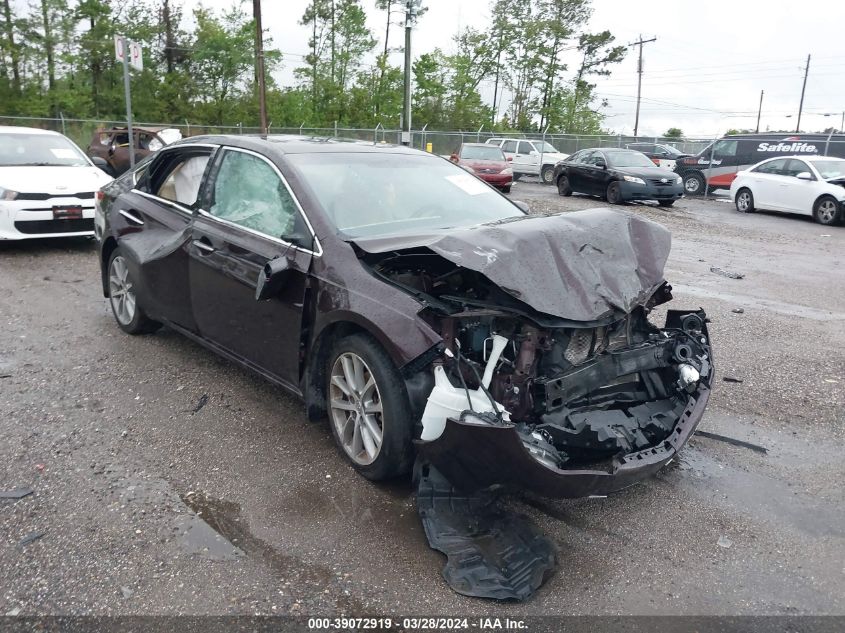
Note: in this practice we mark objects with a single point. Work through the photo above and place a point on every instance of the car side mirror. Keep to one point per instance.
(100, 162)
(272, 278)
(522, 205)
(112, 147)
(804, 175)
(533, 152)
(509, 158)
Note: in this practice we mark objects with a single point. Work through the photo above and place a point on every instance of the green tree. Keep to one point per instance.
(597, 53)
(673, 132)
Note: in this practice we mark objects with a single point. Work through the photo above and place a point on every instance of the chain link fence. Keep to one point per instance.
(82, 131)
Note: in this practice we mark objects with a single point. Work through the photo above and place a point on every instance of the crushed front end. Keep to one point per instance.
(581, 411)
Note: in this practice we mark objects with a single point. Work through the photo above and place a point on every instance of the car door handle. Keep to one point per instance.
(129, 215)
(204, 245)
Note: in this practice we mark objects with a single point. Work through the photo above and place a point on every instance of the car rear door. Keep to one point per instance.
(577, 171)
(765, 183)
(252, 217)
(153, 222)
(595, 177)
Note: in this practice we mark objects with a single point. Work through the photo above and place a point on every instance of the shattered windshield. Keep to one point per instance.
(47, 150)
(371, 194)
(830, 169)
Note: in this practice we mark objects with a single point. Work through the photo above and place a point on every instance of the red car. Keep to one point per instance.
(487, 162)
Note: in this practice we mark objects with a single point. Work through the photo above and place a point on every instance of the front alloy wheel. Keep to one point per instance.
(123, 299)
(744, 201)
(356, 408)
(827, 211)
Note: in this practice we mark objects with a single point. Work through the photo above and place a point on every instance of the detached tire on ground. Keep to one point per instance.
(368, 407)
(827, 211)
(563, 188)
(127, 312)
(614, 193)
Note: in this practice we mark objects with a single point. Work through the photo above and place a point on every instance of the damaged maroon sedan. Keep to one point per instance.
(418, 309)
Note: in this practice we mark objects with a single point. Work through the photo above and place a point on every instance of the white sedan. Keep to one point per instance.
(810, 185)
(47, 185)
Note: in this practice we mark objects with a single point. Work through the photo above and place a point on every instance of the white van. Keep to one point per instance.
(530, 157)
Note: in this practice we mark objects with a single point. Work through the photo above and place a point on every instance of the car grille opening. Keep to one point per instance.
(36, 227)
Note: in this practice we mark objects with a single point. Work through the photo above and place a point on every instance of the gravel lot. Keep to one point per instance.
(143, 506)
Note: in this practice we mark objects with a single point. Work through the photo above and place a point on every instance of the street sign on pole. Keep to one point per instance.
(135, 58)
(122, 52)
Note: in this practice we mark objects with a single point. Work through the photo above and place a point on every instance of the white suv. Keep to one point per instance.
(529, 157)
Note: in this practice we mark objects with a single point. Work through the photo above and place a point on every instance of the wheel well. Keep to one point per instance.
(108, 248)
(740, 190)
(315, 369)
(819, 199)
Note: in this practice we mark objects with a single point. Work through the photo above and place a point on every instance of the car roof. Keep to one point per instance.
(13, 129)
(294, 144)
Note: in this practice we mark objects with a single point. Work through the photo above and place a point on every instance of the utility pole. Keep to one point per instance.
(639, 43)
(759, 112)
(803, 88)
(411, 8)
(259, 65)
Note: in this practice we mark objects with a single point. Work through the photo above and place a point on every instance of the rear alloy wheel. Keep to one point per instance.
(547, 175)
(694, 184)
(744, 201)
(614, 193)
(124, 302)
(563, 188)
(827, 210)
(368, 408)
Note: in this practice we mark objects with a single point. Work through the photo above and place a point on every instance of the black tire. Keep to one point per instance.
(395, 452)
(827, 211)
(744, 200)
(136, 322)
(516, 176)
(547, 174)
(694, 184)
(506, 189)
(665, 203)
(614, 193)
(563, 188)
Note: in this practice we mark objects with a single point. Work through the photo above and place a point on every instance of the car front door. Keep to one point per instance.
(796, 194)
(252, 218)
(153, 221)
(527, 159)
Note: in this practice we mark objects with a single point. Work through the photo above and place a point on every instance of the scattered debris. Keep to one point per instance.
(491, 553)
(724, 541)
(831, 380)
(17, 493)
(731, 379)
(5, 375)
(13, 612)
(738, 310)
(29, 538)
(39, 468)
(126, 591)
(200, 403)
(726, 273)
(729, 440)
(825, 235)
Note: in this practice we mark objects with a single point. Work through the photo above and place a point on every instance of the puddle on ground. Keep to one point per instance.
(209, 532)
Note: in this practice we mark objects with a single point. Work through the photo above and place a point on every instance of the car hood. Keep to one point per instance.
(582, 266)
(53, 180)
(484, 164)
(646, 172)
(555, 156)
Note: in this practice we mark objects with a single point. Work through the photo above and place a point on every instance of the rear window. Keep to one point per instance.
(477, 152)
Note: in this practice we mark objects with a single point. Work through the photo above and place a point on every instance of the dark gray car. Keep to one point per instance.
(617, 175)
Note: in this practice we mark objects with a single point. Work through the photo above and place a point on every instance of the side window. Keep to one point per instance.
(181, 181)
(795, 167)
(509, 146)
(725, 148)
(775, 167)
(593, 157)
(525, 148)
(249, 192)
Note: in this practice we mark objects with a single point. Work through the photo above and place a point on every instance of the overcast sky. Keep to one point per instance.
(704, 73)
